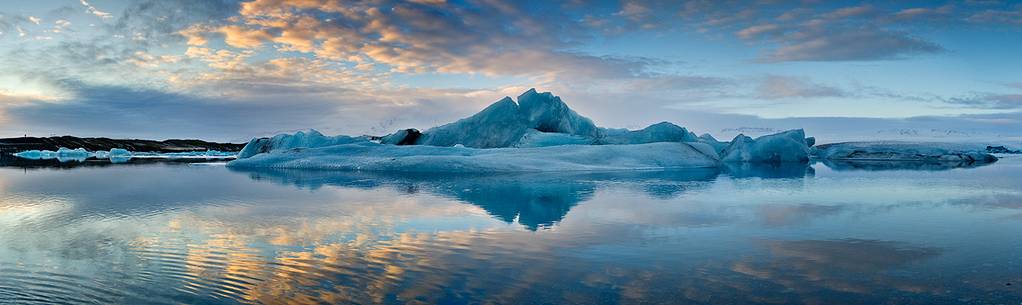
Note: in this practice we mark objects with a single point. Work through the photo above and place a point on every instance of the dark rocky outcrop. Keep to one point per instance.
(14, 145)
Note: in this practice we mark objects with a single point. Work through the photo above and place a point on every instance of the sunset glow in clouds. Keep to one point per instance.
(230, 70)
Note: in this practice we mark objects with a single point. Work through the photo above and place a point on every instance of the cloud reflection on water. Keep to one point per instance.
(184, 234)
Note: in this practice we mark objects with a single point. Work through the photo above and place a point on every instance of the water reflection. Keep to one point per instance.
(845, 271)
(768, 170)
(204, 234)
(532, 200)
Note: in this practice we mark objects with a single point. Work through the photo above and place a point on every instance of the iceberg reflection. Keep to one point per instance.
(532, 200)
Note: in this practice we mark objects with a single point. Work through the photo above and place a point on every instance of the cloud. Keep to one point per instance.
(779, 215)
(993, 16)
(93, 10)
(990, 101)
(847, 266)
(240, 37)
(853, 11)
(853, 45)
(757, 31)
(805, 33)
(161, 21)
(113, 111)
(270, 104)
(779, 87)
(421, 37)
(925, 13)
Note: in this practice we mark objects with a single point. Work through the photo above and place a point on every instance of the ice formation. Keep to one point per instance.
(536, 138)
(537, 133)
(903, 151)
(788, 146)
(37, 154)
(120, 152)
(368, 156)
(117, 155)
(536, 120)
(61, 153)
(301, 139)
(540, 133)
(659, 132)
(206, 154)
(504, 123)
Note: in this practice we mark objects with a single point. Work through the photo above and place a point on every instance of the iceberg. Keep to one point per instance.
(368, 156)
(536, 120)
(904, 151)
(718, 146)
(547, 113)
(63, 154)
(301, 139)
(118, 155)
(37, 154)
(536, 138)
(788, 146)
(120, 152)
(504, 123)
(659, 132)
(72, 153)
(539, 132)
(205, 154)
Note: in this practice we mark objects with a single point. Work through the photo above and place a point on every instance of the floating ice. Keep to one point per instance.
(540, 133)
(117, 155)
(788, 146)
(537, 133)
(301, 139)
(659, 132)
(120, 152)
(61, 153)
(904, 151)
(37, 154)
(368, 156)
(203, 154)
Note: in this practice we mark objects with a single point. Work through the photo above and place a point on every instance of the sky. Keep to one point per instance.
(230, 70)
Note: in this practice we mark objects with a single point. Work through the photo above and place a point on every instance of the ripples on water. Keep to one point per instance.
(204, 234)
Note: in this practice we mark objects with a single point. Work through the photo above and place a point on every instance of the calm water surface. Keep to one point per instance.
(206, 234)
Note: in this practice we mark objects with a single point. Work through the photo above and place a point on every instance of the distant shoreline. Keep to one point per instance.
(15, 145)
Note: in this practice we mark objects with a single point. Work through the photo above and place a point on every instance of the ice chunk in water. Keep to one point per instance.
(788, 146)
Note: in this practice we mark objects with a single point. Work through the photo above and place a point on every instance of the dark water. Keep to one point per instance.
(205, 234)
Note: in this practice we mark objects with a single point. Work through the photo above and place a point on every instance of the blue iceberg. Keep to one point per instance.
(904, 151)
(539, 132)
(788, 146)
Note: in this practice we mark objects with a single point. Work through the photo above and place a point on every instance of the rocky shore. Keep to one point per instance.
(14, 145)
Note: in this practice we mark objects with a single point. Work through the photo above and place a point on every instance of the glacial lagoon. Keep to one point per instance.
(203, 233)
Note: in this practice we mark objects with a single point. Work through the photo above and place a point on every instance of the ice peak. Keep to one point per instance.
(504, 104)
